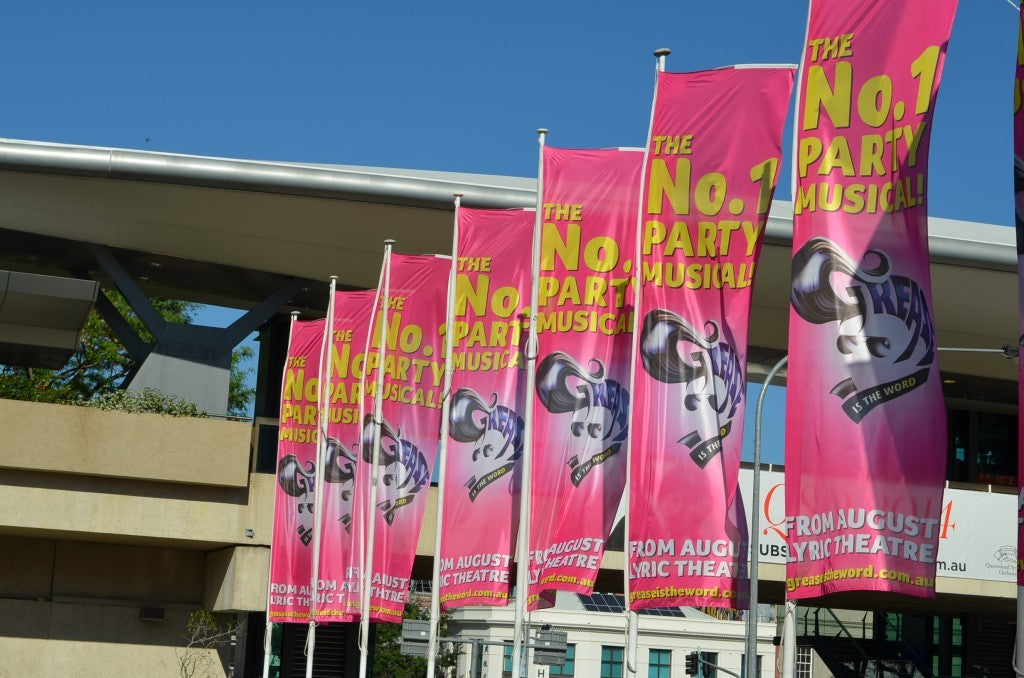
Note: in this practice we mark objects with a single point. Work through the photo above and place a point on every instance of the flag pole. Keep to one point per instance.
(371, 514)
(446, 403)
(318, 492)
(632, 620)
(523, 570)
(755, 527)
(268, 629)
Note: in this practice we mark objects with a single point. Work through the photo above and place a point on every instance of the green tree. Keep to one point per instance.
(99, 366)
(389, 662)
(240, 394)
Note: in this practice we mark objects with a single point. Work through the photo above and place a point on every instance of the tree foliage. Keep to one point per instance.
(96, 371)
(389, 662)
(204, 636)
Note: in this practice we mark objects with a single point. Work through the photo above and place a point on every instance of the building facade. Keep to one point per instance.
(115, 527)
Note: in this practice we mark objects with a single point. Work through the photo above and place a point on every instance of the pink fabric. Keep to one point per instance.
(581, 399)
(340, 549)
(713, 162)
(413, 382)
(485, 442)
(291, 555)
(865, 425)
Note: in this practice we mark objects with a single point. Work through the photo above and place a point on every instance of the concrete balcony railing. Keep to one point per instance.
(90, 474)
(93, 442)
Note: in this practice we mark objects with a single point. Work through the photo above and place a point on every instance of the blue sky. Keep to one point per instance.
(456, 86)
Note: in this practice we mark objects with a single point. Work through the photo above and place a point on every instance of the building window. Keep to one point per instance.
(506, 664)
(982, 447)
(659, 664)
(743, 667)
(997, 448)
(569, 667)
(611, 661)
(708, 667)
(803, 662)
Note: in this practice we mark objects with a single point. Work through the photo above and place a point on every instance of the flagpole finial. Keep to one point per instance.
(458, 195)
(295, 315)
(542, 130)
(389, 241)
(334, 278)
(662, 52)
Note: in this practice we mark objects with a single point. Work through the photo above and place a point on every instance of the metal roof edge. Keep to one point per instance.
(953, 242)
(253, 175)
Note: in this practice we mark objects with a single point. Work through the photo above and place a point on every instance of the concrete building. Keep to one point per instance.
(594, 626)
(114, 527)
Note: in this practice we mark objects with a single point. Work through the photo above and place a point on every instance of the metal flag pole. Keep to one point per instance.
(318, 483)
(755, 526)
(370, 514)
(632, 620)
(446, 403)
(523, 570)
(268, 629)
(799, 94)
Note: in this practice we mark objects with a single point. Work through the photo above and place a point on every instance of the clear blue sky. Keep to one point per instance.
(456, 86)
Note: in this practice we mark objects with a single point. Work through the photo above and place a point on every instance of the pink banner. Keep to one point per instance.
(410, 432)
(481, 504)
(340, 550)
(1018, 189)
(713, 158)
(865, 421)
(585, 309)
(292, 543)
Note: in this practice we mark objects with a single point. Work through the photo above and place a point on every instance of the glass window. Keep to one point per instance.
(567, 669)
(997, 448)
(803, 662)
(611, 661)
(959, 425)
(709, 669)
(659, 664)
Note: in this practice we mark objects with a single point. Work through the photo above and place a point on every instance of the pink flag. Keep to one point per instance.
(714, 154)
(585, 322)
(481, 503)
(291, 557)
(410, 430)
(1018, 188)
(340, 550)
(865, 421)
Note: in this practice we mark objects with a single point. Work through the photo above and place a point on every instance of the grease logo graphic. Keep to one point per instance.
(298, 481)
(885, 332)
(598, 407)
(674, 352)
(405, 467)
(496, 435)
(340, 468)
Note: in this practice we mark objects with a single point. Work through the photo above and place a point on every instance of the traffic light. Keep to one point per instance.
(692, 663)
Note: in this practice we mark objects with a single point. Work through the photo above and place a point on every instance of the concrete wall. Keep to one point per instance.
(73, 608)
(89, 441)
(107, 509)
(88, 474)
(103, 514)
